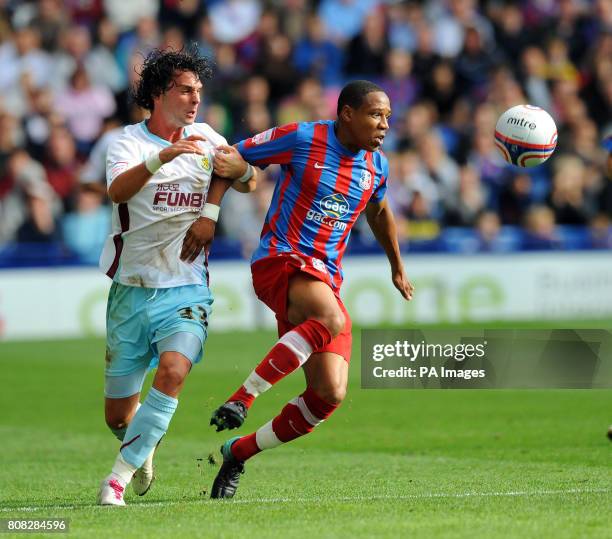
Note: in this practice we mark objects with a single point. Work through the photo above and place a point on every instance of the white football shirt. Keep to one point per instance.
(147, 232)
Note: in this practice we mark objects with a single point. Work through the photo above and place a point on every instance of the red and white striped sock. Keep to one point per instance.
(290, 352)
(299, 417)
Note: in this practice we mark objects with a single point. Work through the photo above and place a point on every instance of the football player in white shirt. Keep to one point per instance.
(158, 176)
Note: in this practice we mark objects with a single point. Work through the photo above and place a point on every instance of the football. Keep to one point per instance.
(525, 135)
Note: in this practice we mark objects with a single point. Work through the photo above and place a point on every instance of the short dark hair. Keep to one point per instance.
(159, 69)
(354, 92)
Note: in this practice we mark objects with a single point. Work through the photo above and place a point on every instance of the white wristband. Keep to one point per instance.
(210, 211)
(248, 174)
(153, 163)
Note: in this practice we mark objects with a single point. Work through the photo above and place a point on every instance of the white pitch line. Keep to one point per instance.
(424, 496)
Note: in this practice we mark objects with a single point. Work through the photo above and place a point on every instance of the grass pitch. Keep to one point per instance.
(388, 463)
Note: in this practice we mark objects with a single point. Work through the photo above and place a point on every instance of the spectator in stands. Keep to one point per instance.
(93, 173)
(38, 121)
(485, 159)
(451, 19)
(425, 56)
(600, 232)
(344, 19)
(234, 20)
(398, 83)
(85, 229)
(274, 64)
(127, 15)
(417, 122)
(317, 55)
(22, 54)
(511, 34)
(413, 195)
(303, 105)
(605, 206)
(567, 198)
(440, 167)
(365, 54)
(488, 230)
(441, 88)
(34, 208)
(103, 64)
(464, 209)
(535, 70)
(62, 165)
(141, 40)
(541, 231)
(515, 199)
(85, 106)
(475, 64)
(403, 20)
(52, 21)
(185, 14)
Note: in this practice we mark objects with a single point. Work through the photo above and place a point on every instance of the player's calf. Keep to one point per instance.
(299, 417)
(290, 352)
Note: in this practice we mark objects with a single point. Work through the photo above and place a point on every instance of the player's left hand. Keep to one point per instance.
(229, 163)
(401, 282)
(199, 236)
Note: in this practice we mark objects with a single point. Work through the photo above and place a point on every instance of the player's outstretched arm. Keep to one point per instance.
(230, 164)
(381, 221)
(128, 183)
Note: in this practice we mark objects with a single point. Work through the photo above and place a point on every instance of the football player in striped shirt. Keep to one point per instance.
(332, 171)
(158, 174)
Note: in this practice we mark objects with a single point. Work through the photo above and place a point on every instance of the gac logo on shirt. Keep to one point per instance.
(334, 206)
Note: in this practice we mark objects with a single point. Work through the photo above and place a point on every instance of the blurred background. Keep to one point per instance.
(482, 239)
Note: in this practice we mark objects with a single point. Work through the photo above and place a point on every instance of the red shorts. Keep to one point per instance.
(271, 277)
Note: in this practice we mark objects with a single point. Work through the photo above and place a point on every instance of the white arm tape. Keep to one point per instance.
(153, 163)
(248, 174)
(210, 211)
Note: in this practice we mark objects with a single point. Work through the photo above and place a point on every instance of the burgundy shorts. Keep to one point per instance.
(271, 277)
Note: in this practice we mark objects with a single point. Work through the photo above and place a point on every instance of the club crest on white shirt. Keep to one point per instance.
(206, 163)
(365, 182)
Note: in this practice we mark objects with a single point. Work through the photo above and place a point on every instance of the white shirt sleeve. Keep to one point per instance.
(123, 154)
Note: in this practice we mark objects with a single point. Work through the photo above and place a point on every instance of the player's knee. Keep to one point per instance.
(334, 321)
(332, 393)
(169, 378)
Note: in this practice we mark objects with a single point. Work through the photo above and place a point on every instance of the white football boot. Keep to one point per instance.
(144, 476)
(111, 492)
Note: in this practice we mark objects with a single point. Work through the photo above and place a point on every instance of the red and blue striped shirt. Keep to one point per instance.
(323, 189)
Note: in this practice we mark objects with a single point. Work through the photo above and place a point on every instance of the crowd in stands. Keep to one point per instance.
(450, 67)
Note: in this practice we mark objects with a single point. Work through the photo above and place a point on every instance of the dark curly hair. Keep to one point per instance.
(159, 70)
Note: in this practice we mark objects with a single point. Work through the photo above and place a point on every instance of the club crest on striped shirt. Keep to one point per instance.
(365, 182)
(319, 264)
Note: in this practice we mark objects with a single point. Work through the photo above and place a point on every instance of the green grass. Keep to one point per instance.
(389, 463)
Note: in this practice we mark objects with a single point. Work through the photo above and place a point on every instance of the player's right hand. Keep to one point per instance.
(185, 145)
